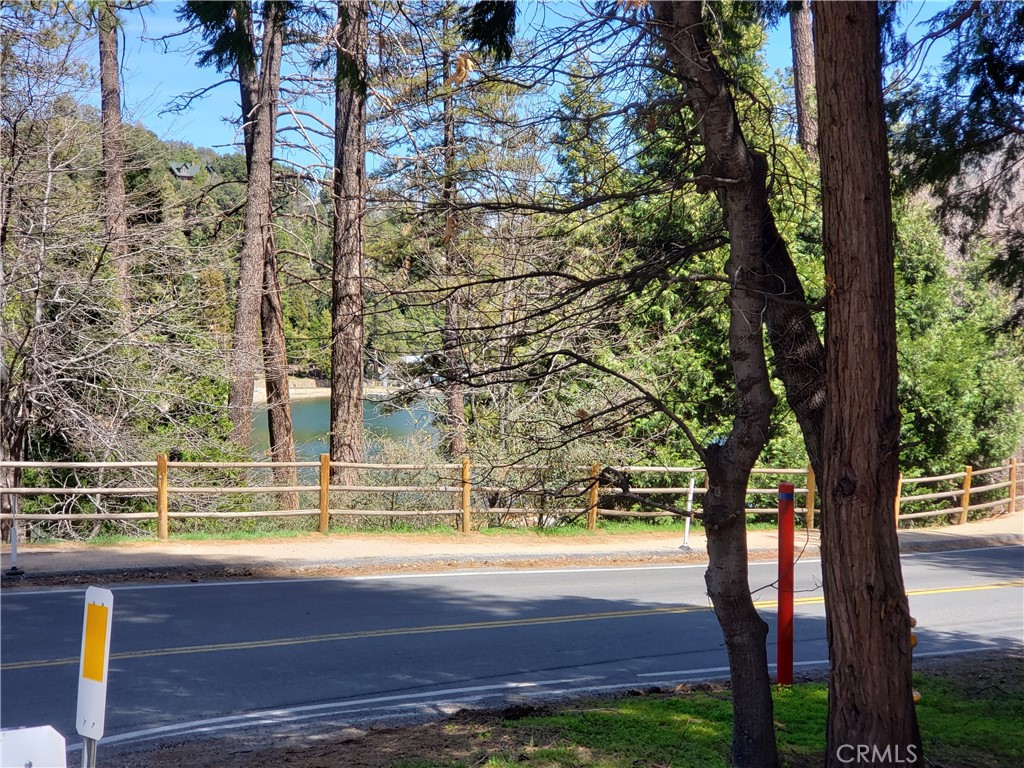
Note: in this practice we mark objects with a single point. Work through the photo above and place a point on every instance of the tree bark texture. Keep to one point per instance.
(115, 197)
(733, 173)
(451, 338)
(349, 208)
(803, 75)
(248, 80)
(280, 430)
(867, 616)
(275, 367)
(258, 233)
(798, 354)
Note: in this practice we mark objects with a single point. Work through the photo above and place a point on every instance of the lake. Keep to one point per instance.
(311, 420)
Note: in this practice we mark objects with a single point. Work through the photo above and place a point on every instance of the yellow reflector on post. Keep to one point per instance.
(94, 652)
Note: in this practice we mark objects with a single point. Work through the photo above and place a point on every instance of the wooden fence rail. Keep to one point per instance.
(568, 492)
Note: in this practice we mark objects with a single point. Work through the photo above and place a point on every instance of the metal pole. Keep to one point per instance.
(784, 636)
(88, 752)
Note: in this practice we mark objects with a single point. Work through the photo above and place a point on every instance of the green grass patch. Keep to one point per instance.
(969, 717)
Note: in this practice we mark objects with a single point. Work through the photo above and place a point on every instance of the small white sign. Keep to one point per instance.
(92, 672)
(40, 747)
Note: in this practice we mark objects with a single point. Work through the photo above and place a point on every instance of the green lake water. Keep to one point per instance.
(311, 419)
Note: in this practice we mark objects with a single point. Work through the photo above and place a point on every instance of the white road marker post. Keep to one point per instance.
(14, 570)
(689, 516)
(92, 673)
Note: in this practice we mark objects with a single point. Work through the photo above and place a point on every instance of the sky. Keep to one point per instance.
(155, 72)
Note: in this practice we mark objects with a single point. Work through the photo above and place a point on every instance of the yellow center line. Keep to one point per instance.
(468, 626)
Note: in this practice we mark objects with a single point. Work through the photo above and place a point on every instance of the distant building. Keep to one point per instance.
(188, 171)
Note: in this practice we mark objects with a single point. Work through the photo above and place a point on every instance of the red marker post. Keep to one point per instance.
(784, 635)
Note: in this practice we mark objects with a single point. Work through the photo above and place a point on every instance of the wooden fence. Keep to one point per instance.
(534, 493)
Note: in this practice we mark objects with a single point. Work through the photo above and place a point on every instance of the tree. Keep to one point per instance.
(451, 337)
(803, 75)
(763, 289)
(113, 148)
(961, 384)
(583, 136)
(867, 615)
(230, 31)
(958, 134)
(76, 381)
(349, 204)
(680, 26)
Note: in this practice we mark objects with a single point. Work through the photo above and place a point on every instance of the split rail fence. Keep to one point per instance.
(212, 490)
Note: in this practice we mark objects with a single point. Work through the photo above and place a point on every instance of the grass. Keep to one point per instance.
(968, 719)
(287, 529)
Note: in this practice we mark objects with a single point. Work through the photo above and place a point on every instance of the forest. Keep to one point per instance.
(607, 230)
(526, 239)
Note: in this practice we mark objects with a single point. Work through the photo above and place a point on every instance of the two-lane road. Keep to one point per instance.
(204, 657)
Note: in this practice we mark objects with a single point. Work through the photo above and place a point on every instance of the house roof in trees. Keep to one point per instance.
(188, 171)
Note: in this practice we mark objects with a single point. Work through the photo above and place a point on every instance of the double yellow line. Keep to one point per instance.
(464, 627)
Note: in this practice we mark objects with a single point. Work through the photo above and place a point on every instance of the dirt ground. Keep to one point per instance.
(467, 737)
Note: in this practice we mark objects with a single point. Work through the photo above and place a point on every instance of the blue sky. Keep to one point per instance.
(155, 73)
(153, 79)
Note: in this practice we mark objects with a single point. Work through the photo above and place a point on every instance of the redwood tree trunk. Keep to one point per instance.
(867, 616)
(258, 237)
(115, 202)
(803, 75)
(349, 207)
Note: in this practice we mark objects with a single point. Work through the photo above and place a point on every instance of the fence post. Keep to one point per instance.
(161, 496)
(325, 492)
(809, 516)
(896, 504)
(1013, 486)
(595, 487)
(784, 635)
(467, 490)
(965, 502)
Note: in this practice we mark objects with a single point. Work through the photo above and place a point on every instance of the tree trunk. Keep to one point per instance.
(258, 237)
(803, 75)
(798, 354)
(349, 207)
(115, 202)
(753, 732)
(280, 430)
(275, 368)
(867, 616)
(451, 338)
(732, 174)
(13, 428)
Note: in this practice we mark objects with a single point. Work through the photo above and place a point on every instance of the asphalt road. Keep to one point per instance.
(218, 657)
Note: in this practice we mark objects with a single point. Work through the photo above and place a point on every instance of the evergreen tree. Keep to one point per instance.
(959, 133)
(230, 32)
